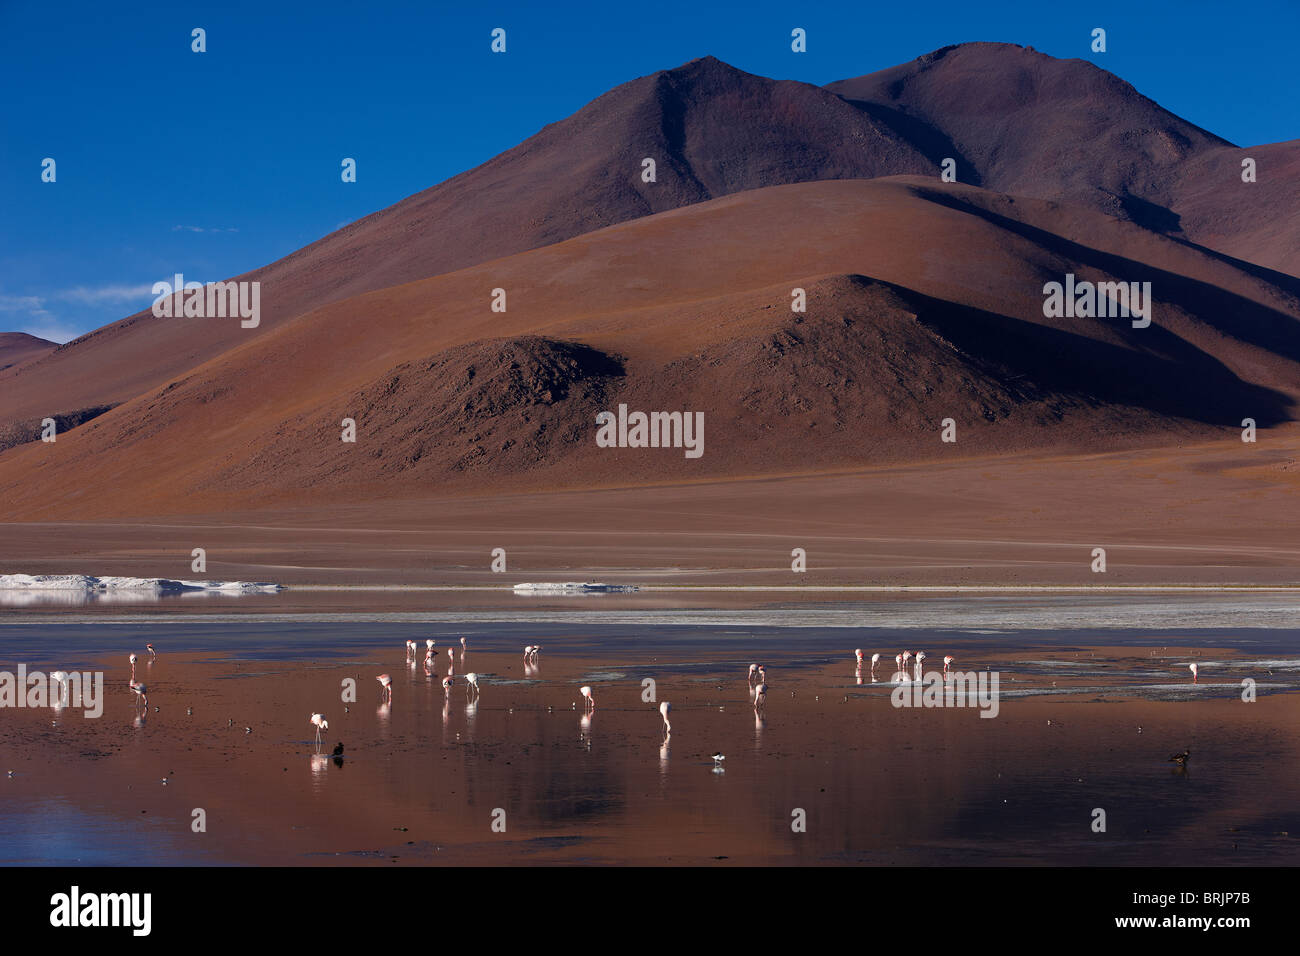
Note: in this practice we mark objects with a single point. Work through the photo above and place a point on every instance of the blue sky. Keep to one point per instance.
(212, 164)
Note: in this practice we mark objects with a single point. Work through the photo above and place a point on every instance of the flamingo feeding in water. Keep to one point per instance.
(386, 683)
(760, 696)
(920, 659)
(664, 710)
(463, 648)
(753, 670)
(858, 655)
(472, 680)
(591, 701)
(907, 656)
(410, 650)
(446, 684)
(947, 663)
(320, 723)
(152, 653)
(1193, 668)
(875, 659)
(132, 667)
(141, 692)
(898, 659)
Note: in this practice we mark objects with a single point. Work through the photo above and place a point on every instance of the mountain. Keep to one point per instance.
(925, 301)
(1019, 121)
(18, 347)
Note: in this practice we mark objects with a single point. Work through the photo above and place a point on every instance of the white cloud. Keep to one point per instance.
(202, 229)
(32, 316)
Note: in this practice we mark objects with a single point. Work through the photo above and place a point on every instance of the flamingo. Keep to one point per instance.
(753, 669)
(907, 656)
(664, 710)
(428, 645)
(762, 673)
(141, 692)
(537, 648)
(898, 659)
(152, 653)
(719, 757)
(875, 659)
(386, 683)
(920, 659)
(858, 655)
(1193, 668)
(947, 663)
(528, 651)
(760, 696)
(463, 648)
(591, 701)
(132, 667)
(472, 680)
(320, 724)
(446, 684)
(410, 650)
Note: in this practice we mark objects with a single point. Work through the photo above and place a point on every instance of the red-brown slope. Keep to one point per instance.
(18, 347)
(690, 309)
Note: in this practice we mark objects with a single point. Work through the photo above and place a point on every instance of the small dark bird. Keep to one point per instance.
(338, 750)
(1180, 759)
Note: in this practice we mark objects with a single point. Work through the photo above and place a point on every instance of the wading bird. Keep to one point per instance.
(664, 710)
(152, 653)
(141, 692)
(947, 663)
(760, 696)
(132, 659)
(386, 683)
(719, 757)
(463, 648)
(320, 724)
(875, 659)
(753, 670)
(1180, 759)
(858, 655)
(591, 701)
(410, 650)
(1193, 668)
(907, 656)
(898, 659)
(472, 680)
(446, 684)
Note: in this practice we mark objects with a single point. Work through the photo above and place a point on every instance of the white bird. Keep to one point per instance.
(132, 667)
(141, 692)
(907, 656)
(875, 659)
(920, 659)
(428, 645)
(386, 683)
(760, 696)
(528, 651)
(591, 701)
(719, 757)
(664, 710)
(1193, 668)
(320, 723)
(410, 650)
(858, 655)
(753, 669)
(472, 679)
(898, 659)
(947, 663)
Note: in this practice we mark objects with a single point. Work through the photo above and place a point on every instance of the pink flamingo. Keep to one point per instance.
(875, 659)
(947, 662)
(664, 710)
(528, 651)
(907, 656)
(410, 650)
(446, 684)
(858, 654)
(472, 680)
(386, 683)
(152, 653)
(1193, 668)
(760, 696)
(463, 648)
(762, 673)
(898, 659)
(320, 723)
(132, 667)
(753, 670)
(591, 701)
(920, 659)
(141, 692)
